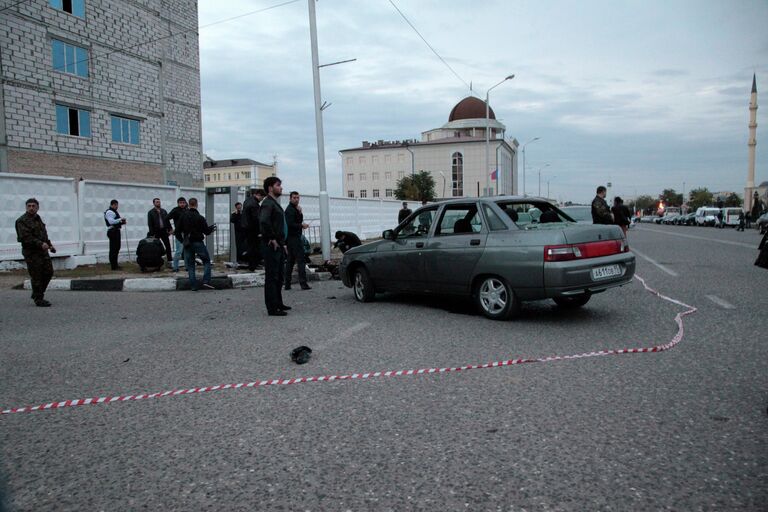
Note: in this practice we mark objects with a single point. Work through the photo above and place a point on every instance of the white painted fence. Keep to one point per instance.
(73, 212)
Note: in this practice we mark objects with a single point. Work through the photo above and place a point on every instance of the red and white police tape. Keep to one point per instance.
(399, 373)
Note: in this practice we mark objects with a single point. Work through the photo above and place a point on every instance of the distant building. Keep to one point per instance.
(242, 172)
(99, 90)
(453, 154)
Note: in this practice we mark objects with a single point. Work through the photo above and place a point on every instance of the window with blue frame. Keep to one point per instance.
(73, 121)
(74, 7)
(125, 130)
(68, 58)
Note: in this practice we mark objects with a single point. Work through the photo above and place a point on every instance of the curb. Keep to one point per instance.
(163, 284)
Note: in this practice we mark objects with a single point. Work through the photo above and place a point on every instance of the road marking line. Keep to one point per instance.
(727, 242)
(654, 262)
(720, 302)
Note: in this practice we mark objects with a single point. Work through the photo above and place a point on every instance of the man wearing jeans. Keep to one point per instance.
(193, 229)
(175, 216)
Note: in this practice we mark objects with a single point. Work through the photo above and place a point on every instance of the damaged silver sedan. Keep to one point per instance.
(501, 251)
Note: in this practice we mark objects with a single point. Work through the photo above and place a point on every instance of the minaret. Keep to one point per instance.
(749, 190)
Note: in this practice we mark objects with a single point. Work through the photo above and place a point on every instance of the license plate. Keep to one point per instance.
(605, 272)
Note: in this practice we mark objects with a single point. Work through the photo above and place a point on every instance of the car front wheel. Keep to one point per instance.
(362, 285)
(495, 299)
(572, 302)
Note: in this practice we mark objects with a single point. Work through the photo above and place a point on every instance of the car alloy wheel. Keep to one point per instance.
(362, 285)
(495, 298)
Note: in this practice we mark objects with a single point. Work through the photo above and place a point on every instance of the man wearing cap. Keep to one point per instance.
(35, 246)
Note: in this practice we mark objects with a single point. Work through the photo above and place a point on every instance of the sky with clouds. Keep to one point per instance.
(645, 94)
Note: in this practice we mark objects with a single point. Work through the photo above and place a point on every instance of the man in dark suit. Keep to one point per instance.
(403, 213)
(160, 227)
(294, 218)
(274, 231)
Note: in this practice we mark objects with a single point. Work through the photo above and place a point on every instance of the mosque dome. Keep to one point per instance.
(470, 108)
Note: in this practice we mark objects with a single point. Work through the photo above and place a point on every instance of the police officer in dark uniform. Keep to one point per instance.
(35, 246)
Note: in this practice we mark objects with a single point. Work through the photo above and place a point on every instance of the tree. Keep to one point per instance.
(644, 203)
(733, 200)
(419, 187)
(671, 198)
(699, 197)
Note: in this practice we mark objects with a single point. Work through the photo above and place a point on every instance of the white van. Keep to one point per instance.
(731, 216)
(707, 216)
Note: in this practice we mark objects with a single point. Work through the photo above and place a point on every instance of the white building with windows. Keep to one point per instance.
(102, 90)
(454, 154)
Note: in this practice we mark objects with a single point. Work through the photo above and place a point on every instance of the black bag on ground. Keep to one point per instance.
(149, 254)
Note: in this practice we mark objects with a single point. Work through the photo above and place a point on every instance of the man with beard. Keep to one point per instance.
(294, 218)
(274, 231)
(175, 216)
(35, 246)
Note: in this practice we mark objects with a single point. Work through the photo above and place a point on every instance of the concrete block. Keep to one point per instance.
(55, 284)
(247, 280)
(98, 285)
(149, 284)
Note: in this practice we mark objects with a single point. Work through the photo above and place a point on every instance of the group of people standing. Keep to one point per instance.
(618, 214)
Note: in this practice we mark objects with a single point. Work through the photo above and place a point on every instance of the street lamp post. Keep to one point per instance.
(487, 134)
(540, 168)
(443, 175)
(548, 179)
(532, 140)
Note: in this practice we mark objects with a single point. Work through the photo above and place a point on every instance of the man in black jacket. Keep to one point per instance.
(273, 234)
(294, 218)
(403, 213)
(250, 222)
(159, 227)
(175, 216)
(193, 229)
(236, 219)
(345, 240)
(601, 214)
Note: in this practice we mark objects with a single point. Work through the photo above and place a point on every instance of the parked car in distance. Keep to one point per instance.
(731, 216)
(494, 251)
(689, 219)
(706, 216)
(762, 223)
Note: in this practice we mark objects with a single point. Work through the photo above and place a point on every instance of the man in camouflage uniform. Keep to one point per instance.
(35, 245)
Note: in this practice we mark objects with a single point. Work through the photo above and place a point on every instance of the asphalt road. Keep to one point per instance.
(680, 430)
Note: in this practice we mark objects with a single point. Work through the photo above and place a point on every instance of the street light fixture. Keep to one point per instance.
(532, 140)
(443, 175)
(487, 134)
(540, 168)
(548, 179)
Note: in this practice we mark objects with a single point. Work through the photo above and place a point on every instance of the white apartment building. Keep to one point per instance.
(454, 154)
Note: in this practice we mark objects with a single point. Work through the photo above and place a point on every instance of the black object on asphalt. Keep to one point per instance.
(300, 355)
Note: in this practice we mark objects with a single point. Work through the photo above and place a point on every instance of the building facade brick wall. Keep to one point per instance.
(134, 70)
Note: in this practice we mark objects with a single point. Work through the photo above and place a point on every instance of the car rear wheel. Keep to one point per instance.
(572, 302)
(495, 299)
(362, 285)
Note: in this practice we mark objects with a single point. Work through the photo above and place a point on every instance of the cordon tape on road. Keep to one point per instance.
(399, 373)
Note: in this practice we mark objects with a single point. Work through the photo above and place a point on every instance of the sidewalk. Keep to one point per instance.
(130, 278)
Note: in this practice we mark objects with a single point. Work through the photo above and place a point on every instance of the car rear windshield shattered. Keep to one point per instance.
(538, 215)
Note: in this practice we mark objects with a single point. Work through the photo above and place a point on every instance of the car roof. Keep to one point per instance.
(495, 199)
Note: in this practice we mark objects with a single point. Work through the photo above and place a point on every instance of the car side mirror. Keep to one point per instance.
(388, 234)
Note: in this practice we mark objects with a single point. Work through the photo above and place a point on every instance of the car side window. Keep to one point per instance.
(494, 221)
(419, 224)
(459, 219)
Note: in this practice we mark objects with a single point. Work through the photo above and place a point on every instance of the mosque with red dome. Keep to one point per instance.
(454, 154)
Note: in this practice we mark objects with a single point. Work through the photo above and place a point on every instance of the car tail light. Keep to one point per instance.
(584, 251)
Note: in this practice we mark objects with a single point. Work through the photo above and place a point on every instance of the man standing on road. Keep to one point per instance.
(35, 246)
(175, 216)
(294, 218)
(273, 234)
(403, 213)
(621, 214)
(236, 219)
(114, 232)
(250, 222)
(601, 214)
(159, 227)
(741, 222)
(194, 228)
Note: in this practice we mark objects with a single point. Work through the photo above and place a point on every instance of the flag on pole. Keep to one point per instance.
(495, 174)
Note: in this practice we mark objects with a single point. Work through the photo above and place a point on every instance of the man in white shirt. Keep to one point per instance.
(114, 224)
